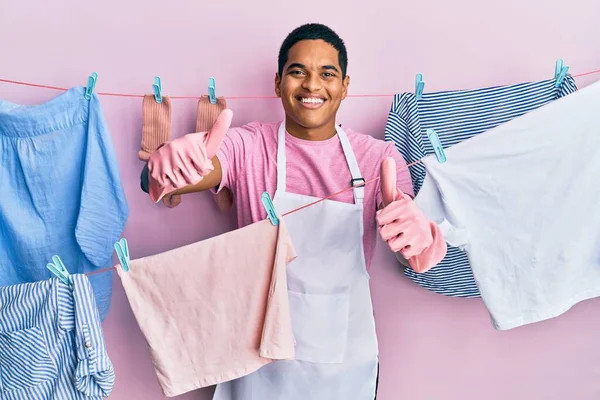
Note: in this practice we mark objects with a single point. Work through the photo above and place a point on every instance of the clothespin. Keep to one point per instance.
(560, 72)
(212, 94)
(437, 145)
(157, 89)
(91, 85)
(419, 86)
(123, 254)
(270, 208)
(59, 269)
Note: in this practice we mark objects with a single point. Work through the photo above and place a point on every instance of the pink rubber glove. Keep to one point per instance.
(404, 227)
(186, 160)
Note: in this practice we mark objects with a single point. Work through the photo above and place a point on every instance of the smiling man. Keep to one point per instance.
(306, 157)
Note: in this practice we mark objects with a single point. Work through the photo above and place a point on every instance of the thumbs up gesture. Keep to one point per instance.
(186, 160)
(404, 227)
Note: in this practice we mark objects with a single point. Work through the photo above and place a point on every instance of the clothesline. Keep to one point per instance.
(249, 97)
(304, 206)
(22, 83)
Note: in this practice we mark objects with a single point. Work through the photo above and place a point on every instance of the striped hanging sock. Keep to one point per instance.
(207, 115)
(156, 125)
(156, 130)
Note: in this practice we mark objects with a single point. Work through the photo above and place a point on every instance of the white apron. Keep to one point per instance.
(330, 301)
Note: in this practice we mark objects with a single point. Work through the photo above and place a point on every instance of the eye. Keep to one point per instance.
(295, 72)
(328, 74)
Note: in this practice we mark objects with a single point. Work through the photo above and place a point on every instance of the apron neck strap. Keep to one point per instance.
(357, 179)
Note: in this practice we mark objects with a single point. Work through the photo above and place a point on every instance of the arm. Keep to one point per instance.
(183, 165)
(212, 180)
(405, 228)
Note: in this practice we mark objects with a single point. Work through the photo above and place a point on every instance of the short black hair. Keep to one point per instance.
(313, 31)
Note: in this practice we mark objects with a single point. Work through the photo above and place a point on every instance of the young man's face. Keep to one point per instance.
(311, 86)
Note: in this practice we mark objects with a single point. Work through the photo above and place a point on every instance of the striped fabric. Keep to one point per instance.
(51, 342)
(457, 116)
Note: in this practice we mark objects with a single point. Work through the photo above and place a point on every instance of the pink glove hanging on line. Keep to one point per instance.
(404, 227)
(187, 160)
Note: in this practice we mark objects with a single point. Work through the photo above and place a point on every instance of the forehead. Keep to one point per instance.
(313, 53)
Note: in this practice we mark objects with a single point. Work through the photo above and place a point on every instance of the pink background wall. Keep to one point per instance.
(432, 347)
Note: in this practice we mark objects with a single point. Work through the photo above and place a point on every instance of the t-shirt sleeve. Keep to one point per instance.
(403, 180)
(233, 154)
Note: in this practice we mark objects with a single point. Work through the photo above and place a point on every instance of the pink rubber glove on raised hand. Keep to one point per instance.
(404, 227)
(186, 160)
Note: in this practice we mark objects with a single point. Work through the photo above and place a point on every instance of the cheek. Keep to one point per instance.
(288, 87)
(336, 92)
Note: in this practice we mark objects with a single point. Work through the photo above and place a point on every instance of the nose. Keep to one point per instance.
(312, 83)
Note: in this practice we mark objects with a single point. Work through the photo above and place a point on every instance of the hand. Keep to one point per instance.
(187, 160)
(404, 227)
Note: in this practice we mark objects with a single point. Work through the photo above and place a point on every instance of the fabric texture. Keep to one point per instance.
(215, 310)
(456, 116)
(522, 200)
(156, 125)
(61, 191)
(207, 115)
(314, 168)
(51, 342)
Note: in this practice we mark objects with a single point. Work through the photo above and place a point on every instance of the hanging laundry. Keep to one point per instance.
(207, 115)
(522, 201)
(457, 116)
(51, 342)
(156, 130)
(156, 125)
(215, 310)
(61, 191)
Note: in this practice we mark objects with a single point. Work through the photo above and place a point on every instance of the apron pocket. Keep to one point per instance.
(320, 325)
(24, 360)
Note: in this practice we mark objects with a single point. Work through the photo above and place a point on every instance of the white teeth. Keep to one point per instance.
(312, 100)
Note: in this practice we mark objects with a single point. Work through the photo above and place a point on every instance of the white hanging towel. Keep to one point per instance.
(523, 201)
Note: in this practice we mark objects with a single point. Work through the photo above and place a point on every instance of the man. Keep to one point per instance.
(304, 158)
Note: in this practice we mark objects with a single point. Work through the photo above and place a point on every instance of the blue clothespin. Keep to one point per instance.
(157, 89)
(437, 145)
(58, 268)
(270, 208)
(560, 72)
(123, 254)
(91, 85)
(212, 94)
(419, 86)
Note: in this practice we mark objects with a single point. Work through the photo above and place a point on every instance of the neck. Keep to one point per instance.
(322, 133)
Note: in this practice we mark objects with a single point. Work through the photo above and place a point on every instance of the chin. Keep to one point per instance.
(311, 121)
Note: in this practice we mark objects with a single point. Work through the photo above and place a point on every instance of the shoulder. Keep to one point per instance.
(366, 144)
(253, 132)
(254, 128)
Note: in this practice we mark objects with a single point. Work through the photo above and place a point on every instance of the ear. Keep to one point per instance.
(345, 84)
(277, 84)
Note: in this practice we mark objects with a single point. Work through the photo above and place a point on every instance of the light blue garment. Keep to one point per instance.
(60, 191)
(51, 342)
(457, 116)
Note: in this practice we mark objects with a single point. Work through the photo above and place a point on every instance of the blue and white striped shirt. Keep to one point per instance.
(457, 116)
(51, 342)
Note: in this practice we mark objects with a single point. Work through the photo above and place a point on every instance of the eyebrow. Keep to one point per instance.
(302, 66)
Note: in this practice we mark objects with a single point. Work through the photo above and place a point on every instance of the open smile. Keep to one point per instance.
(311, 102)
